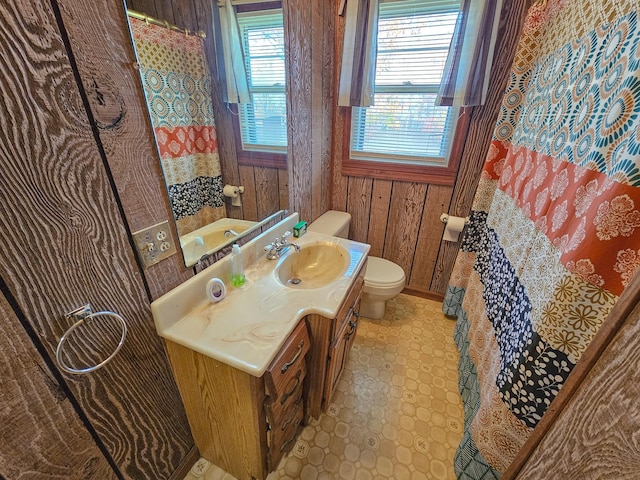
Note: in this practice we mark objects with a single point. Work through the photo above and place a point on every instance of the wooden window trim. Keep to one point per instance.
(406, 171)
(256, 7)
(249, 157)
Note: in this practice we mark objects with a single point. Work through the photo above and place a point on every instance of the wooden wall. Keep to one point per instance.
(309, 31)
(72, 130)
(401, 219)
(39, 428)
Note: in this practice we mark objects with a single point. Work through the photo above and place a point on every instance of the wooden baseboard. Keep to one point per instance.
(438, 297)
(185, 465)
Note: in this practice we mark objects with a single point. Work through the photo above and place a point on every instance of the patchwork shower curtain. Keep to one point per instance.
(177, 85)
(554, 235)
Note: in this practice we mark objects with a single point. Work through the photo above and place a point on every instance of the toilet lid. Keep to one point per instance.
(381, 272)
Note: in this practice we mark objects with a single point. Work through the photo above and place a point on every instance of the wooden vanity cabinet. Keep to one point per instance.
(241, 423)
(245, 424)
(331, 343)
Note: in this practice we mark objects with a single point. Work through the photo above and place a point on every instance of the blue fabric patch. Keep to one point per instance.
(532, 381)
(531, 371)
(452, 303)
(475, 232)
(468, 462)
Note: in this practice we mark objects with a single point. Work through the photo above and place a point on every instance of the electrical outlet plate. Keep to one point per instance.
(154, 243)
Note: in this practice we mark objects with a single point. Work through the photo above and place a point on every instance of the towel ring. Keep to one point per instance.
(84, 315)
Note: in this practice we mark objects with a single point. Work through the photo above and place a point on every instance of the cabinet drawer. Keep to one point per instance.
(279, 408)
(283, 372)
(283, 436)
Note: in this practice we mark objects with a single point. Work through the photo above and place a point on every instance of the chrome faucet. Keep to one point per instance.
(230, 233)
(280, 246)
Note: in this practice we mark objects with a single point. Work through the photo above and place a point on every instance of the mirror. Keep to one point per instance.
(197, 162)
(212, 238)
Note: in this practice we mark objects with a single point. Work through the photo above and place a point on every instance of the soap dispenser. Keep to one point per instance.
(237, 267)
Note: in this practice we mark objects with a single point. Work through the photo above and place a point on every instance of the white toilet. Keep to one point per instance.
(382, 280)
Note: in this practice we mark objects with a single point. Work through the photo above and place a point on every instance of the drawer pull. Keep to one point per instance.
(295, 411)
(286, 366)
(285, 445)
(354, 323)
(292, 391)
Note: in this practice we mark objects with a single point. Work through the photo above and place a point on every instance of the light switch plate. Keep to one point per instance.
(154, 243)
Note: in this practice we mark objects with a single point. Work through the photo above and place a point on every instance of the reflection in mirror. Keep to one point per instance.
(178, 86)
(213, 237)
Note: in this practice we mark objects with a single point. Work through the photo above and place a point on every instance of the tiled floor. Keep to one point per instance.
(396, 414)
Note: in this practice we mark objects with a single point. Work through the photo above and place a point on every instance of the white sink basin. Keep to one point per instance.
(314, 266)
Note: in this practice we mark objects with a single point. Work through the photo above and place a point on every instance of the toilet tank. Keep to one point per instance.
(332, 223)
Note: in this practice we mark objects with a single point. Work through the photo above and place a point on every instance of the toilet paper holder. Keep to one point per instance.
(233, 192)
(453, 227)
(444, 218)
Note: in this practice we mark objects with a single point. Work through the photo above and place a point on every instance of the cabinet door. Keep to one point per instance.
(339, 352)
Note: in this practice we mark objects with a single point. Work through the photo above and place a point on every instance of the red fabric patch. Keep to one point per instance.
(176, 142)
(591, 218)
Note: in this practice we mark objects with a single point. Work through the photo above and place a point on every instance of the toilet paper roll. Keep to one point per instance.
(230, 191)
(452, 228)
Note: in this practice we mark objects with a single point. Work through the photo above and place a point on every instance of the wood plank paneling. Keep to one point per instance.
(429, 237)
(378, 216)
(359, 205)
(267, 196)
(317, 108)
(283, 185)
(328, 53)
(407, 205)
(143, 6)
(307, 42)
(165, 11)
(184, 14)
(249, 198)
(297, 29)
(338, 180)
(40, 432)
(57, 199)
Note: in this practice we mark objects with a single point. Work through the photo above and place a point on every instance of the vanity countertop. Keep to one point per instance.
(248, 327)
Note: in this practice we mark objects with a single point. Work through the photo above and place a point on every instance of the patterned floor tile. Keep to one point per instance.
(396, 413)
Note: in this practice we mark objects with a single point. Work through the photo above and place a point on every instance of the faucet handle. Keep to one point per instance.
(286, 235)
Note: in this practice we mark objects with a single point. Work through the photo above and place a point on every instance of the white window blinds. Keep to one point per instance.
(404, 124)
(263, 121)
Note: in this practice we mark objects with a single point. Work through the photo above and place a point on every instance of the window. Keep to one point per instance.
(404, 126)
(262, 123)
